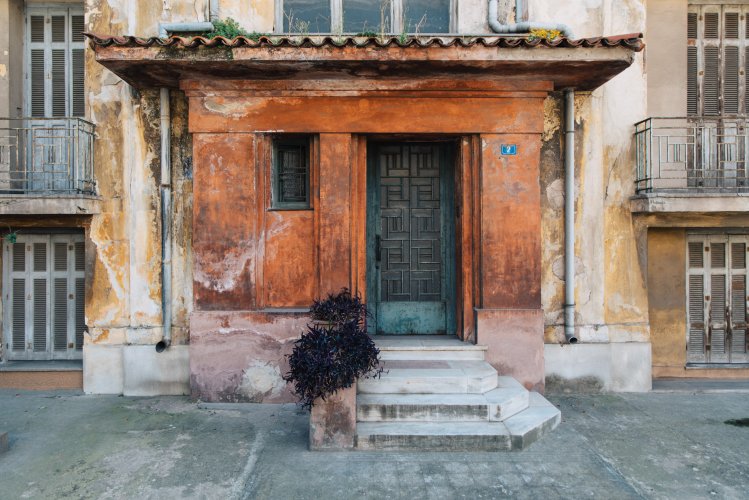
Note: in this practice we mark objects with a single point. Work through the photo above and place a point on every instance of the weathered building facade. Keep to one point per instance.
(288, 156)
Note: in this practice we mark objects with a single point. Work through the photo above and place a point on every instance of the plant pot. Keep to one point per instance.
(332, 422)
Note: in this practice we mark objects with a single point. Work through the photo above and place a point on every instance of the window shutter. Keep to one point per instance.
(731, 27)
(59, 89)
(80, 316)
(731, 81)
(45, 302)
(19, 314)
(40, 314)
(717, 54)
(79, 78)
(692, 86)
(696, 302)
(56, 61)
(38, 94)
(61, 256)
(711, 82)
(717, 318)
(696, 312)
(60, 326)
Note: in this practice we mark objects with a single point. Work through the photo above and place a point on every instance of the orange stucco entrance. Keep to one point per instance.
(256, 273)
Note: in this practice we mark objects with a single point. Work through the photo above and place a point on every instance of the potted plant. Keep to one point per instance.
(328, 358)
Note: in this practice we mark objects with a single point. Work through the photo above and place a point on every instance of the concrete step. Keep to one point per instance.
(431, 377)
(527, 427)
(427, 347)
(515, 433)
(508, 399)
(433, 436)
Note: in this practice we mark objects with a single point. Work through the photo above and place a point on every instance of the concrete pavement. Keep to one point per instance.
(658, 445)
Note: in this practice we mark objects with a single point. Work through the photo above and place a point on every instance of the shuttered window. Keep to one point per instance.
(717, 59)
(55, 63)
(44, 297)
(717, 299)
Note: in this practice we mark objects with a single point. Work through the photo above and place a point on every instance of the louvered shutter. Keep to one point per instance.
(738, 327)
(717, 321)
(696, 331)
(56, 65)
(717, 60)
(717, 304)
(44, 282)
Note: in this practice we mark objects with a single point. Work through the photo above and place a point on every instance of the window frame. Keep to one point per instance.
(336, 19)
(284, 141)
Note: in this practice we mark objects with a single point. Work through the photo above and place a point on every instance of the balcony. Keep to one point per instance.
(691, 165)
(46, 166)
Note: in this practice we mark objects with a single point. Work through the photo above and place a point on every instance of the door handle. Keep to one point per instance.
(378, 248)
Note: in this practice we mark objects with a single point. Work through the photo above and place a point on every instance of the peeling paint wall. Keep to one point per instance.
(123, 304)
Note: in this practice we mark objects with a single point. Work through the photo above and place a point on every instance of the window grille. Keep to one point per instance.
(291, 173)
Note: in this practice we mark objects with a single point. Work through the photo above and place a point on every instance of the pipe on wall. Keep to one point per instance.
(569, 217)
(524, 26)
(166, 221)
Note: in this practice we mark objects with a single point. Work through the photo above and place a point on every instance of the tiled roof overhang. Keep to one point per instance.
(583, 64)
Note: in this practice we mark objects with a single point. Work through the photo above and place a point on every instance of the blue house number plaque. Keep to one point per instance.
(509, 149)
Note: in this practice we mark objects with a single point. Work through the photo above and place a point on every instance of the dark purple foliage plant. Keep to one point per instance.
(334, 351)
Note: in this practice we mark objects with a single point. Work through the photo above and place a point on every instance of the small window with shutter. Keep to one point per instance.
(717, 299)
(291, 173)
(44, 297)
(55, 66)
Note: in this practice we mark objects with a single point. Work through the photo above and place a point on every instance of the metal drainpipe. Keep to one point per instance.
(166, 221)
(569, 217)
(522, 27)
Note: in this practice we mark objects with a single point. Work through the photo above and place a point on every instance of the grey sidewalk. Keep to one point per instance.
(659, 445)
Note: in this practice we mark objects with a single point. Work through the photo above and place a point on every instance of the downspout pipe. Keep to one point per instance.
(166, 221)
(569, 217)
(524, 26)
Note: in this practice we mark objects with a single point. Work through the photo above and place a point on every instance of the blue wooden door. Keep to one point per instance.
(411, 243)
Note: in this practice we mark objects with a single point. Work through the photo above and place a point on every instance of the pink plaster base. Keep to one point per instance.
(332, 422)
(239, 356)
(515, 341)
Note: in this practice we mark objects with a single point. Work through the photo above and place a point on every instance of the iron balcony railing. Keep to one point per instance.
(692, 154)
(46, 156)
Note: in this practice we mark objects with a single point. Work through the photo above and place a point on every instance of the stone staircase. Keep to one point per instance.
(438, 394)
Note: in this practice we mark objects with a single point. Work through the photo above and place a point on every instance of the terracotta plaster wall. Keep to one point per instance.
(290, 257)
(510, 320)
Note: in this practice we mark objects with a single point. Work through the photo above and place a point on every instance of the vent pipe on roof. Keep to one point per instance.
(196, 27)
(522, 27)
(569, 217)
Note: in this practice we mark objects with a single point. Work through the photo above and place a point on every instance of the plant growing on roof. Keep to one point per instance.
(542, 34)
(229, 28)
(334, 351)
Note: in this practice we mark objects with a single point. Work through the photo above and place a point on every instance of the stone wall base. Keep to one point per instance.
(136, 370)
(614, 367)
